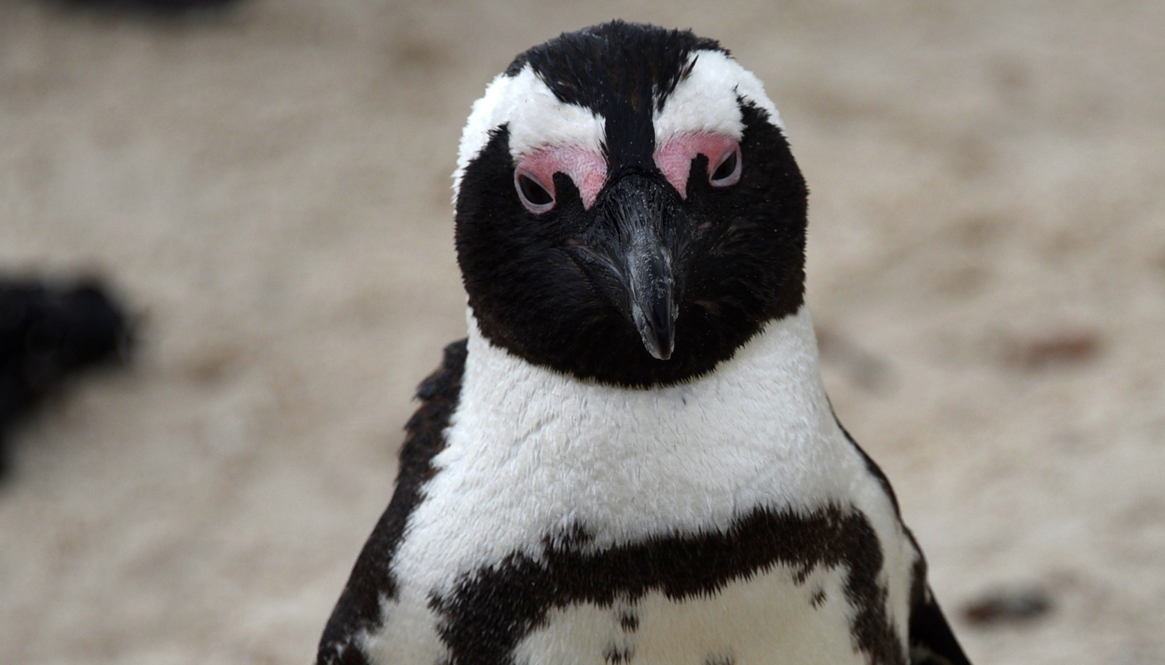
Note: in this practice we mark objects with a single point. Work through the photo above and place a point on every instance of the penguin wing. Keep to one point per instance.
(931, 640)
(357, 613)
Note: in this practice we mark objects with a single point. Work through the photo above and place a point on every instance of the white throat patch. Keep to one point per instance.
(531, 451)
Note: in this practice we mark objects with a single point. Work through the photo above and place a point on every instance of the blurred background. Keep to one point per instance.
(265, 185)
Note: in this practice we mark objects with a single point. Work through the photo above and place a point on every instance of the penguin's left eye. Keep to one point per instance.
(534, 195)
(726, 172)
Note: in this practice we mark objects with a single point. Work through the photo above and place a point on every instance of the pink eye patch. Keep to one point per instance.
(674, 158)
(586, 168)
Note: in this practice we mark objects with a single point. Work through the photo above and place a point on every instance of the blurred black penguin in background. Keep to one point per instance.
(48, 334)
(160, 7)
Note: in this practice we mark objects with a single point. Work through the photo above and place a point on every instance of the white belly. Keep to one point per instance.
(768, 619)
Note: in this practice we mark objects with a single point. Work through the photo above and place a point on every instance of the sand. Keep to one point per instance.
(269, 189)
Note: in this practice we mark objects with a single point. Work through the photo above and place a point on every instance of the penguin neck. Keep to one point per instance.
(772, 382)
(542, 451)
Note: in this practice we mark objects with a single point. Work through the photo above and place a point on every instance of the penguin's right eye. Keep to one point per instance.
(727, 172)
(534, 195)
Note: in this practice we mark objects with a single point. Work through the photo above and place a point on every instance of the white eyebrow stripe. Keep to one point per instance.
(536, 118)
(706, 101)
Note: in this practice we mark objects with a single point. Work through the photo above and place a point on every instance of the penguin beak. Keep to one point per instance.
(629, 256)
(650, 284)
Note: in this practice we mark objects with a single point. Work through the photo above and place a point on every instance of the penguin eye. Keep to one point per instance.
(727, 171)
(534, 195)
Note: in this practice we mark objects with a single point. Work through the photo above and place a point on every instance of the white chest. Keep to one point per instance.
(532, 455)
(530, 451)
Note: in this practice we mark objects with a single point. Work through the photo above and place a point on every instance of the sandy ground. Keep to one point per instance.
(270, 188)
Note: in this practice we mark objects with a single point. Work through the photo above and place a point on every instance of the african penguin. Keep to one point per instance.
(632, 458)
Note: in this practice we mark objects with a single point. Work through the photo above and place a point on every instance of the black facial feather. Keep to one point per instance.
(742, 254)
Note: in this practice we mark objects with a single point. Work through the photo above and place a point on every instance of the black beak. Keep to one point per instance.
(650, 283)
(629, 254)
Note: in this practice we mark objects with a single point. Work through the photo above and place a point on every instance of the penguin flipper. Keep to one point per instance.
(932, 642)
(357, 612)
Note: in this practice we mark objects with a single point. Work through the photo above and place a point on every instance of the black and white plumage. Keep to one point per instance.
(632, 458)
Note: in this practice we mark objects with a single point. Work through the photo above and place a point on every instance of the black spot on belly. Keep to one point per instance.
(490, 610)
(720, 660)
(628, 621)
(616, 654)
(818, 598)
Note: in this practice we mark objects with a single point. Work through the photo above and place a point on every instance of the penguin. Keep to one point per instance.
(631, 459)
(50, 332)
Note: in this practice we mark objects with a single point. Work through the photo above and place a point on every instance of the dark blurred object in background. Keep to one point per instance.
(48, 334)
(153, 6)
(1008, 606)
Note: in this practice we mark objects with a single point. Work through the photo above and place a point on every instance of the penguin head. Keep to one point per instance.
(627, 207)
